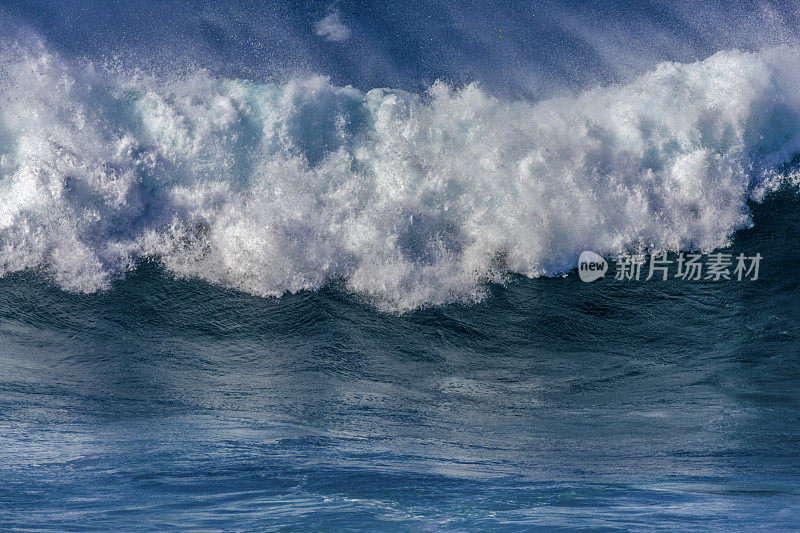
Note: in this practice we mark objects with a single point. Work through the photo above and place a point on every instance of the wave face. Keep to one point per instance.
(409, 199)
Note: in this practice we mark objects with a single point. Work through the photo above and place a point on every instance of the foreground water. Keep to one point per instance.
(175, 404)
(402, 169)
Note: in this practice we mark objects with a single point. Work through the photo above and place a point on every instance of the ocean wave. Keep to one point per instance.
(409, 199)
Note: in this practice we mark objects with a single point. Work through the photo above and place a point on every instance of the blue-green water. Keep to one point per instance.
(169, 404)
(310, 266)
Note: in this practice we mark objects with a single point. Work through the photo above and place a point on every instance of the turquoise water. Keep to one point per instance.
(169, 404)
(312, 266)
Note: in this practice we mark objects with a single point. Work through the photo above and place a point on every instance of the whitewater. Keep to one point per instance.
(408, 199)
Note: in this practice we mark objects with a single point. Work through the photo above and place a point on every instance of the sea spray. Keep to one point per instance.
(410, 199)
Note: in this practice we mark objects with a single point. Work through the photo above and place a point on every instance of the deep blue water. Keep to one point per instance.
(238, 297)
(165, 404)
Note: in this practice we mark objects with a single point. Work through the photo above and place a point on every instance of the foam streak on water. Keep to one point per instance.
(410, 199)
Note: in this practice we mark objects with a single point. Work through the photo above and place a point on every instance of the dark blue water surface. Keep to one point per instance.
(172, 404)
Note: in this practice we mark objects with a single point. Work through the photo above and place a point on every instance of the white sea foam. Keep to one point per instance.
(409, 199)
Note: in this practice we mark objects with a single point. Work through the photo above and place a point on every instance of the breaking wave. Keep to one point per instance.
(409, 199)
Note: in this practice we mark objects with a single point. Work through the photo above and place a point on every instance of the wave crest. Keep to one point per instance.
(410, 199)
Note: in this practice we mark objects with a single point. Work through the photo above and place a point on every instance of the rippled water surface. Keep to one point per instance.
(174, 404)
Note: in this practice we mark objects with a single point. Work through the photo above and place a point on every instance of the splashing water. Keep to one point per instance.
(411, 199)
